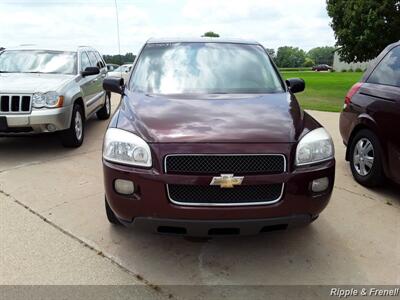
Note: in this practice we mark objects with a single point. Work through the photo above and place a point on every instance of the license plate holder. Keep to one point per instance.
(3, 124)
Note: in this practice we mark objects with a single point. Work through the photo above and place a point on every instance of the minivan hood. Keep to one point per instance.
(261, 118)
(31, 83)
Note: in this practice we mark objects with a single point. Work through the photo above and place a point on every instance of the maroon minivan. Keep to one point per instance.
(210, 140)
(370, 121)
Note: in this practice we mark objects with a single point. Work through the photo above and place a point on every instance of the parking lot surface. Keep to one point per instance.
(54, 229)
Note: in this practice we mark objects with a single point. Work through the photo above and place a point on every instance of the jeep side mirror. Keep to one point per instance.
(296, 85)
(90, 71)
(115, 85)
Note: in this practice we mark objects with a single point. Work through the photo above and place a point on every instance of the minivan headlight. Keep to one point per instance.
(123, 147)
(316, 146)
(49, 99)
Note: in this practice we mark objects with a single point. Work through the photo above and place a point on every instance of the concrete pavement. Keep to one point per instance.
(355, 240)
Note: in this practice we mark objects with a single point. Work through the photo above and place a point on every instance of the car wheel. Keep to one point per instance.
(74, 135)
(366, 159)
(105, 112)
(112, 218)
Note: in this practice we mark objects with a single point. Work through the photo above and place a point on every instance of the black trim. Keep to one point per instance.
(211, 228)
(378, 97)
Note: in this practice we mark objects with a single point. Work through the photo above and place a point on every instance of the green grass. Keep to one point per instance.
(294, 69)
(324, 90)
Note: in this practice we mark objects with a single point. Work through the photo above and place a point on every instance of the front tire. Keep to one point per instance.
(366, 159)
(112, 218)
(74, 135)
(105, 112)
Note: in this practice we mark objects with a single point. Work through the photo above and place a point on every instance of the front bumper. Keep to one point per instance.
(152, 206)
(203, 228)
(38, 121)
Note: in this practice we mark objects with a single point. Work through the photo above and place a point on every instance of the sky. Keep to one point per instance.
(66, 23)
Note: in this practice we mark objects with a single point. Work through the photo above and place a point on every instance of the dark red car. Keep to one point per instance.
(210, 140)
(370, 121)
(321, 68)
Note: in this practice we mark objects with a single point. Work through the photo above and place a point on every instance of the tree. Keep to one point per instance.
(322, 55)
(363, 28)
(308, 62)
(271, 52)
(120, 59)
(290, 57)
(210, 34)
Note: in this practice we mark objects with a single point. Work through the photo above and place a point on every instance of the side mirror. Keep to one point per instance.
(90, 71)
(115, 85)
(296, 85)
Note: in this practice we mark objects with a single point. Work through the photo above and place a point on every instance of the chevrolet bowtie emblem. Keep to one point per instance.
(226, 181)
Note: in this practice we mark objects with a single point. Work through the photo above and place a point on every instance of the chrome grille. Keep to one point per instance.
(15, 104)
(206, 195)
(238, 164)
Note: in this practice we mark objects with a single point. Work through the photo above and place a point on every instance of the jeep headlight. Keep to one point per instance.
(123, 147)
(316, 146)
(49, 99)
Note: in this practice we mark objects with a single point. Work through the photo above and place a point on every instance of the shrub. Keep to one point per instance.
(351, 70)
(308, 62)
(344, 71)
(358, 70)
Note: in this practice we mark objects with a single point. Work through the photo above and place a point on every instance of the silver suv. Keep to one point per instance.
(48, 90)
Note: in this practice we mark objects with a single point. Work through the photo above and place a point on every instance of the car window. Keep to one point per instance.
(123, 68)
(388, 70)
(206, 68)
(100, 60)
(38, 61)
(85, 62)
(93, 59)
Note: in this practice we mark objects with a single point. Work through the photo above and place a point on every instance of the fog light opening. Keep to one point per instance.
(51, 127)
(124, 187)
(320, 185)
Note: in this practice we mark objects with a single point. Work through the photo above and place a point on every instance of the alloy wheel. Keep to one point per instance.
(78, 126)
(363, 157)
(108, 105)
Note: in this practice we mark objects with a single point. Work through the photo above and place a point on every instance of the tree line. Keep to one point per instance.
(120, 59)
(294, 57)
(285, 57)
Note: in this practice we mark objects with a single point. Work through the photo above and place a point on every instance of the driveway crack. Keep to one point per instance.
(91, 247)
(358, 194)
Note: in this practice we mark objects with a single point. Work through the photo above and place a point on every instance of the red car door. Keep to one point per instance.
(384, 85)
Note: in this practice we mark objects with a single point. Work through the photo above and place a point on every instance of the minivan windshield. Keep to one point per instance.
(38, 61)
(206, 68)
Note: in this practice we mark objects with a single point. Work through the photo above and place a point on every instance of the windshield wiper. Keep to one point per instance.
(4, 72)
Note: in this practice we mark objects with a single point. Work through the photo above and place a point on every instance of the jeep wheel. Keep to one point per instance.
(366, 159)
(74, 135)
(112, 218)
(105, 112)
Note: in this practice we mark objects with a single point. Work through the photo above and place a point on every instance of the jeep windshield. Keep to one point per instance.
(204, 68)
(38, 61)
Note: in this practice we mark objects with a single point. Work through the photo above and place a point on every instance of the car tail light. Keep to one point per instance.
(354, 89)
